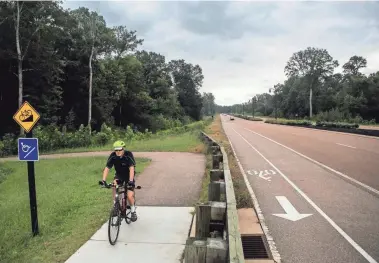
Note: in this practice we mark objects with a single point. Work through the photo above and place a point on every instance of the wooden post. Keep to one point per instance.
(203, 218)
(217, 250)
(216, 175)
(216, 160)
(218, 210)
(216, 149)
(196, 251)
(214, 191)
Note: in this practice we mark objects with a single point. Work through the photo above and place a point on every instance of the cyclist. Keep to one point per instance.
(124, 164)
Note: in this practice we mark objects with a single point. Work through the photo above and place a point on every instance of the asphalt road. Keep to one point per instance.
(328, 182)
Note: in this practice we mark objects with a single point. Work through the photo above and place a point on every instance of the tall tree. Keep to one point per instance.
(313, 64)
(125, 42)
(187, 81)
(27, 23)
(95, 34)
(354, 64)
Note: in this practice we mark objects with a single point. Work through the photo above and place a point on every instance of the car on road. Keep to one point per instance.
(231, 118)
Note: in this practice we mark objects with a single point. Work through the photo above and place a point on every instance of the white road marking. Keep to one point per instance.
(270, 240)
(369, 188)
(347, 145)
(318, 209)
(291, 212)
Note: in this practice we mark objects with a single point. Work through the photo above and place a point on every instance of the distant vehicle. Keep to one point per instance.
(231, 118)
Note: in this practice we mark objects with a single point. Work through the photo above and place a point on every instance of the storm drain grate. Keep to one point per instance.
(253, 247)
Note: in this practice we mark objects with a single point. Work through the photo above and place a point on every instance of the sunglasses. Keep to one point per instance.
(118, 150)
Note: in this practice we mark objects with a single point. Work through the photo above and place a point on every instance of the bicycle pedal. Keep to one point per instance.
(128, 207)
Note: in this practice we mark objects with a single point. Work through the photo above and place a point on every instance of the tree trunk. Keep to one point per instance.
(310, 103)
(120, 114)
(19, 58)
(90, 90)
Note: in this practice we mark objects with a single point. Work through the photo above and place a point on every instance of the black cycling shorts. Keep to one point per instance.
(121, 181)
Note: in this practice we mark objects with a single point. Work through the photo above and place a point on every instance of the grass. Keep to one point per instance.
(206, 180)
(216, 131)
(71, 207)
(186, 142)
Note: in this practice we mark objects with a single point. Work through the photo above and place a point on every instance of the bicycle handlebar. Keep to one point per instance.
(110, 185)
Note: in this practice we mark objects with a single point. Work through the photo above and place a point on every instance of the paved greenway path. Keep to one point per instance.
(170, 186)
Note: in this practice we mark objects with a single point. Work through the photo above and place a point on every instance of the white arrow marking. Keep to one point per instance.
(291, 212)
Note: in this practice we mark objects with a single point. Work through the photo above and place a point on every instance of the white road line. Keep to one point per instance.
(270, 239)
(346, 145)
(369, 188)
(318, 209)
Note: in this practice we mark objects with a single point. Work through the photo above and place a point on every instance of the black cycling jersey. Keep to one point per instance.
(121, 164)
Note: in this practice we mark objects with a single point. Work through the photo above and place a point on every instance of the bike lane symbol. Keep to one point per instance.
(25, 148)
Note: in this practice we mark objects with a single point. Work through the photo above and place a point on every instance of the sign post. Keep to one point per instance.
(27, 117)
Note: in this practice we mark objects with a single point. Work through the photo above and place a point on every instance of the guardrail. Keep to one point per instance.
(215, 236)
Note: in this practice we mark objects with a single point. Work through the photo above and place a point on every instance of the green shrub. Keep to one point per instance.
(250, 118)
(51, 138)
(100, 139)
(9, 145)
(290, 122)
(337, 125)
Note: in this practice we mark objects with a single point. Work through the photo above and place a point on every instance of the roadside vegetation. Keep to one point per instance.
(71, 208)
(307, 123)
(314, 92)
(216, 131)
(91, 82)
(246, 117)
(180, 138)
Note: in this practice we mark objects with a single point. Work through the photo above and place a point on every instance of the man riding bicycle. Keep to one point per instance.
(124, 164)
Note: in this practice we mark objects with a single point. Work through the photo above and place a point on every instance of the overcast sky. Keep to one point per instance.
(243, 47)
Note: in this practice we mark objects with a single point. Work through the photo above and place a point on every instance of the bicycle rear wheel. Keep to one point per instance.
(114, 221)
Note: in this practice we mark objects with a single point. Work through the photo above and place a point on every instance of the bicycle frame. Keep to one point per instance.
(123, 191)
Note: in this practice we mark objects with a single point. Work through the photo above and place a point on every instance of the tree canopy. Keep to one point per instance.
(71, 65)
(348, 96)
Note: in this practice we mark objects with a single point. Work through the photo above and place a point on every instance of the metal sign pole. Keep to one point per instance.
(26, 116)
(32, 192)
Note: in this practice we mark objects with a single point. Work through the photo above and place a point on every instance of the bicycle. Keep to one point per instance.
(122, 211)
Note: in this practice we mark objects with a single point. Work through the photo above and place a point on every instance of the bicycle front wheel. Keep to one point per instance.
(114, 223)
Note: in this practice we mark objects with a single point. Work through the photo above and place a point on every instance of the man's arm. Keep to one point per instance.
(131, 172)
(105, 173)
(108, 166)
(132, 164)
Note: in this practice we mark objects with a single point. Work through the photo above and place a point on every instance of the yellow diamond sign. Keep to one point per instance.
(26, 116)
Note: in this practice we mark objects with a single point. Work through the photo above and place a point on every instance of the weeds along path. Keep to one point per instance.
(172, 178)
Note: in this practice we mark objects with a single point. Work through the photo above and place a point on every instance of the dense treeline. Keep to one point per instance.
(75, 70)
(312, 90)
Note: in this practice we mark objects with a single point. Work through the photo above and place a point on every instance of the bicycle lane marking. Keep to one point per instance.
(318, 209)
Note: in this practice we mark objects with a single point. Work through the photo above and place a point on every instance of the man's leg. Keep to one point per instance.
(132, 204)
(114, 195)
